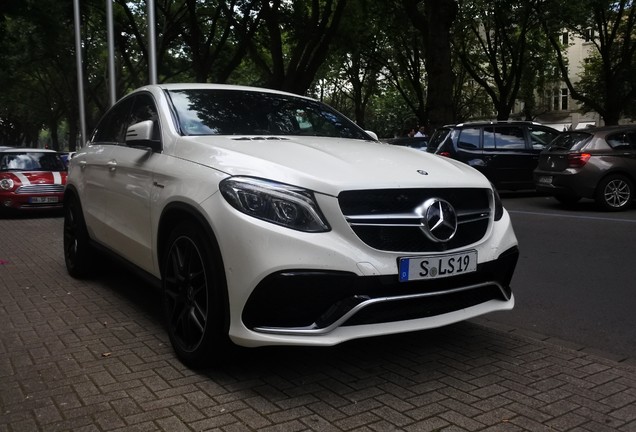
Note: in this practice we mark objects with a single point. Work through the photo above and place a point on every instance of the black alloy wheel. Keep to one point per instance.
(78, 253)
(194, 306)
(614, 193)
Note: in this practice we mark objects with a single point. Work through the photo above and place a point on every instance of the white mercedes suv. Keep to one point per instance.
(268, 218)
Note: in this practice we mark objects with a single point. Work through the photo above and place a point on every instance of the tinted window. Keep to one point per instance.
(228, 112)
(144, 109)
(540, 138)
(569, 141)
(505, 137)
(112, 128)
(632, 139)
(620, 141)
(469, 138)
(31, 161)
(437, 139)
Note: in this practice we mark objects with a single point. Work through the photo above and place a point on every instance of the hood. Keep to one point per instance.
(328, 165)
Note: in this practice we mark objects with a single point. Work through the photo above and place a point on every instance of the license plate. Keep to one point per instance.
(437, 266)
(43, 200)
(545, 179)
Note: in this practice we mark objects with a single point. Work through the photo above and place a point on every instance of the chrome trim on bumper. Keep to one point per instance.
(361, 302)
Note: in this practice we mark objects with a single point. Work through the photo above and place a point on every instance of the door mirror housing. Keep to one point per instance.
(139, 135)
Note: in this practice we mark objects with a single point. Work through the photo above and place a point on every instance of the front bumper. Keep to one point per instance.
(12, 201)
(320, 289)
(317, 302)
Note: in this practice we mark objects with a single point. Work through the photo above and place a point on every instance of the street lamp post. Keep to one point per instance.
(80, 73)
(111, 52)
(152, 49)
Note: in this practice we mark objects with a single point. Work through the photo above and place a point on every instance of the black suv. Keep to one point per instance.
(506, 152)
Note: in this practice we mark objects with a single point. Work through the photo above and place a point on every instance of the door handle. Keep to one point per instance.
(112, 165)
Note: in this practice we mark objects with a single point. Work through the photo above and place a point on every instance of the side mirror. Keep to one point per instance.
(139, 135)
(372, 134)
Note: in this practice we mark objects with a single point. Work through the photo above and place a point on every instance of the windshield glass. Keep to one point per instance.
(30, 161)
(569, 141)
(438, 137)
(232, 112)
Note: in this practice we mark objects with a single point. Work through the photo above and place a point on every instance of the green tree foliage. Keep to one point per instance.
(607, 83)
(37, 70)
(389, 65)
(539, 74)
(294, 41)
(491, 39)
(279, 44)
(350, 78)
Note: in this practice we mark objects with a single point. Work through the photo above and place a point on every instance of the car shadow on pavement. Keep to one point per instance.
(130, 286)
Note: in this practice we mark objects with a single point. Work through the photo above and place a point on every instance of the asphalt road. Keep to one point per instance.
(576, 276)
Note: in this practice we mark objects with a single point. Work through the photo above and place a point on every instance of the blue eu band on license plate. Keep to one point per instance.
(437, 266)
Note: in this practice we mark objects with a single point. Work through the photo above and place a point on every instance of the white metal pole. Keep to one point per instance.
(80, 73)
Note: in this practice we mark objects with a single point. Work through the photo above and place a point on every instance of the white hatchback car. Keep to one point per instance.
(268, 218)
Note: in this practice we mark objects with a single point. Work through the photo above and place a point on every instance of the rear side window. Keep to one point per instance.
(112, 127)
(540, 138)
(504, 138)
(622, 141)
(469, 138)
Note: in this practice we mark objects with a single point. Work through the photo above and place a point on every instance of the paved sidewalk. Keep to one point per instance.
(93, 356)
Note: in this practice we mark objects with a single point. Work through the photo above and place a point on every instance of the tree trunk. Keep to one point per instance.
(435, 27)
(440, 15)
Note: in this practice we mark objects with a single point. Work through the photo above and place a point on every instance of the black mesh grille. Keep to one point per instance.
(390, 234)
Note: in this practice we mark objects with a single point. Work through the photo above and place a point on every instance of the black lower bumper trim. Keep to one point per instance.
(307, 299)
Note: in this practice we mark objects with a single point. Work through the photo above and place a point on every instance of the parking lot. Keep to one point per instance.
(93, 356)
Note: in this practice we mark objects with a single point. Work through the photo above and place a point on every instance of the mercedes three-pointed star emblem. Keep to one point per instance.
(439, 220)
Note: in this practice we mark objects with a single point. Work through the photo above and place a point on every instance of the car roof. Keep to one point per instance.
(25, 150)
(208, 86)
(498, 122)
(604, 129)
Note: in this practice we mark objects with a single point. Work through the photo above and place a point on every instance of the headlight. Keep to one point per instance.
(278, 203)
(498, 204)
(6, 184)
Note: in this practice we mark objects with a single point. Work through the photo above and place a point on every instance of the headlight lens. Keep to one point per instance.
(278, 203)
(6, 184)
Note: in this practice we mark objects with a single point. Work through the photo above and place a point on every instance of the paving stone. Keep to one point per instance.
(93, 356)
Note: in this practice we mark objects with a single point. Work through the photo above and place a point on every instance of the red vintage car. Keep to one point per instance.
(31, 179)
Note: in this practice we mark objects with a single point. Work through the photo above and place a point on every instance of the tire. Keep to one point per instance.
(614, 193)
(78, 252)
(194, 297)
(567, 200)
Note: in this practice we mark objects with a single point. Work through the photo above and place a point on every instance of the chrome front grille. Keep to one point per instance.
(40, 189)
(387, 219)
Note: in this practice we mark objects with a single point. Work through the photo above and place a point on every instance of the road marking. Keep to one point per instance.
(571, 216)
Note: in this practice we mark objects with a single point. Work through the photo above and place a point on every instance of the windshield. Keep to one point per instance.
(438, 138)
(232, 112)
(30, 161)
(569, 141)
